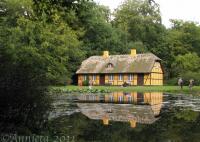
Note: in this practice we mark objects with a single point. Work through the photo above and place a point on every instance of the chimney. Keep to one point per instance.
(133, 52)
(105, 54)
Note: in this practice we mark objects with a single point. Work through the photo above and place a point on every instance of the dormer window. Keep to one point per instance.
(110, 65)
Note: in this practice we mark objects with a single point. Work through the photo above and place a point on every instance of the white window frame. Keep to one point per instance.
(130, 77)
(84, 77)
(94, 77)
(110, 65)
(111, 77)
(121, 77)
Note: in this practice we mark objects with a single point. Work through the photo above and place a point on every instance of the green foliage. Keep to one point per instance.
(142, 22)
(86, 90)
(188, 115)
(44, 42)
(181, 40)
(60, 34)
(186, 63)
(99, 33)
(191, 75)
(55, 44)
(34, 54)
(172, 81)
(169, 89)
(85, 82)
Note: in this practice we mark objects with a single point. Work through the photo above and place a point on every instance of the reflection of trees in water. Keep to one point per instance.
(177, 125)
(23, 103)
(24, 112)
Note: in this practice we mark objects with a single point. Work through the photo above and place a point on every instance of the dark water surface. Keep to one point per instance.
(126, 117)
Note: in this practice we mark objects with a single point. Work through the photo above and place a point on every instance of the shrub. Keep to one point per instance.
(172, 81)
(186, 77)
(125, 84)
(191, 75)
(85, 83)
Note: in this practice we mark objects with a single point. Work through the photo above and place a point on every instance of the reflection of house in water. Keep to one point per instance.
(123, 107)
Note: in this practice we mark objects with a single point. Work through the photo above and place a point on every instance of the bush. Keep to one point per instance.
(172, 81)
(191, 75)
(186, 77)
(85, 83)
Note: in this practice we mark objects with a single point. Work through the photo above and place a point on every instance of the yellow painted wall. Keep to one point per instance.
(115, 81)
(157, 74)
(154, 78)
(135, 79)
(147, 79)
(81, 79)
(106, 79)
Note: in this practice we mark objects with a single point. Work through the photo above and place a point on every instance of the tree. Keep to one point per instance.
(142, 21)
(181, 39)
(99, 34)
(34, 54)
(184, 37)
(187, 66)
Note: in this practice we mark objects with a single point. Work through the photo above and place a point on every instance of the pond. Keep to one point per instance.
(126, 117)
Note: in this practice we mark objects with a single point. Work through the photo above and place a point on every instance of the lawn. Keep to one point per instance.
(170, 89)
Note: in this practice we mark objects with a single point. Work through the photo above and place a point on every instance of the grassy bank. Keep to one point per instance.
(170, 89)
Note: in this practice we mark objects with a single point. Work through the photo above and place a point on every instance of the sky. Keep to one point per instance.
(187, 10)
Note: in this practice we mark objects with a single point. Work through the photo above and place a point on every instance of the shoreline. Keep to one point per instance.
(106, 89)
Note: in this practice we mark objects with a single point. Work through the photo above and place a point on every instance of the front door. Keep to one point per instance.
(102, 79)
(140, 79)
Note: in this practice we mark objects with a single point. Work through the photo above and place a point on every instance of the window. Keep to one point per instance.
(84, 77)
(110, 65)
(93, 77)
(111, 77)
(130, 77)
(121, 77)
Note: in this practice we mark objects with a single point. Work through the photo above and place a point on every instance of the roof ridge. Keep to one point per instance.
(124, 54)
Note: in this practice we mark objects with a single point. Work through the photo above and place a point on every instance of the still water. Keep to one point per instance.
(126, 117)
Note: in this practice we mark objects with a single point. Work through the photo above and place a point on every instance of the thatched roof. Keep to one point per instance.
(140, 63)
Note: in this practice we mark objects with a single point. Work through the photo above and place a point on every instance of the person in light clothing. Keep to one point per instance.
(191, 83)
(90, 84)
(180, 82)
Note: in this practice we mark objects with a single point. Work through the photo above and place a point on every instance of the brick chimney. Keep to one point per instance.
(133, 52)
(105, 54)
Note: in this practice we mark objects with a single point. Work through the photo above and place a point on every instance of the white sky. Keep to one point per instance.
(187, 10)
